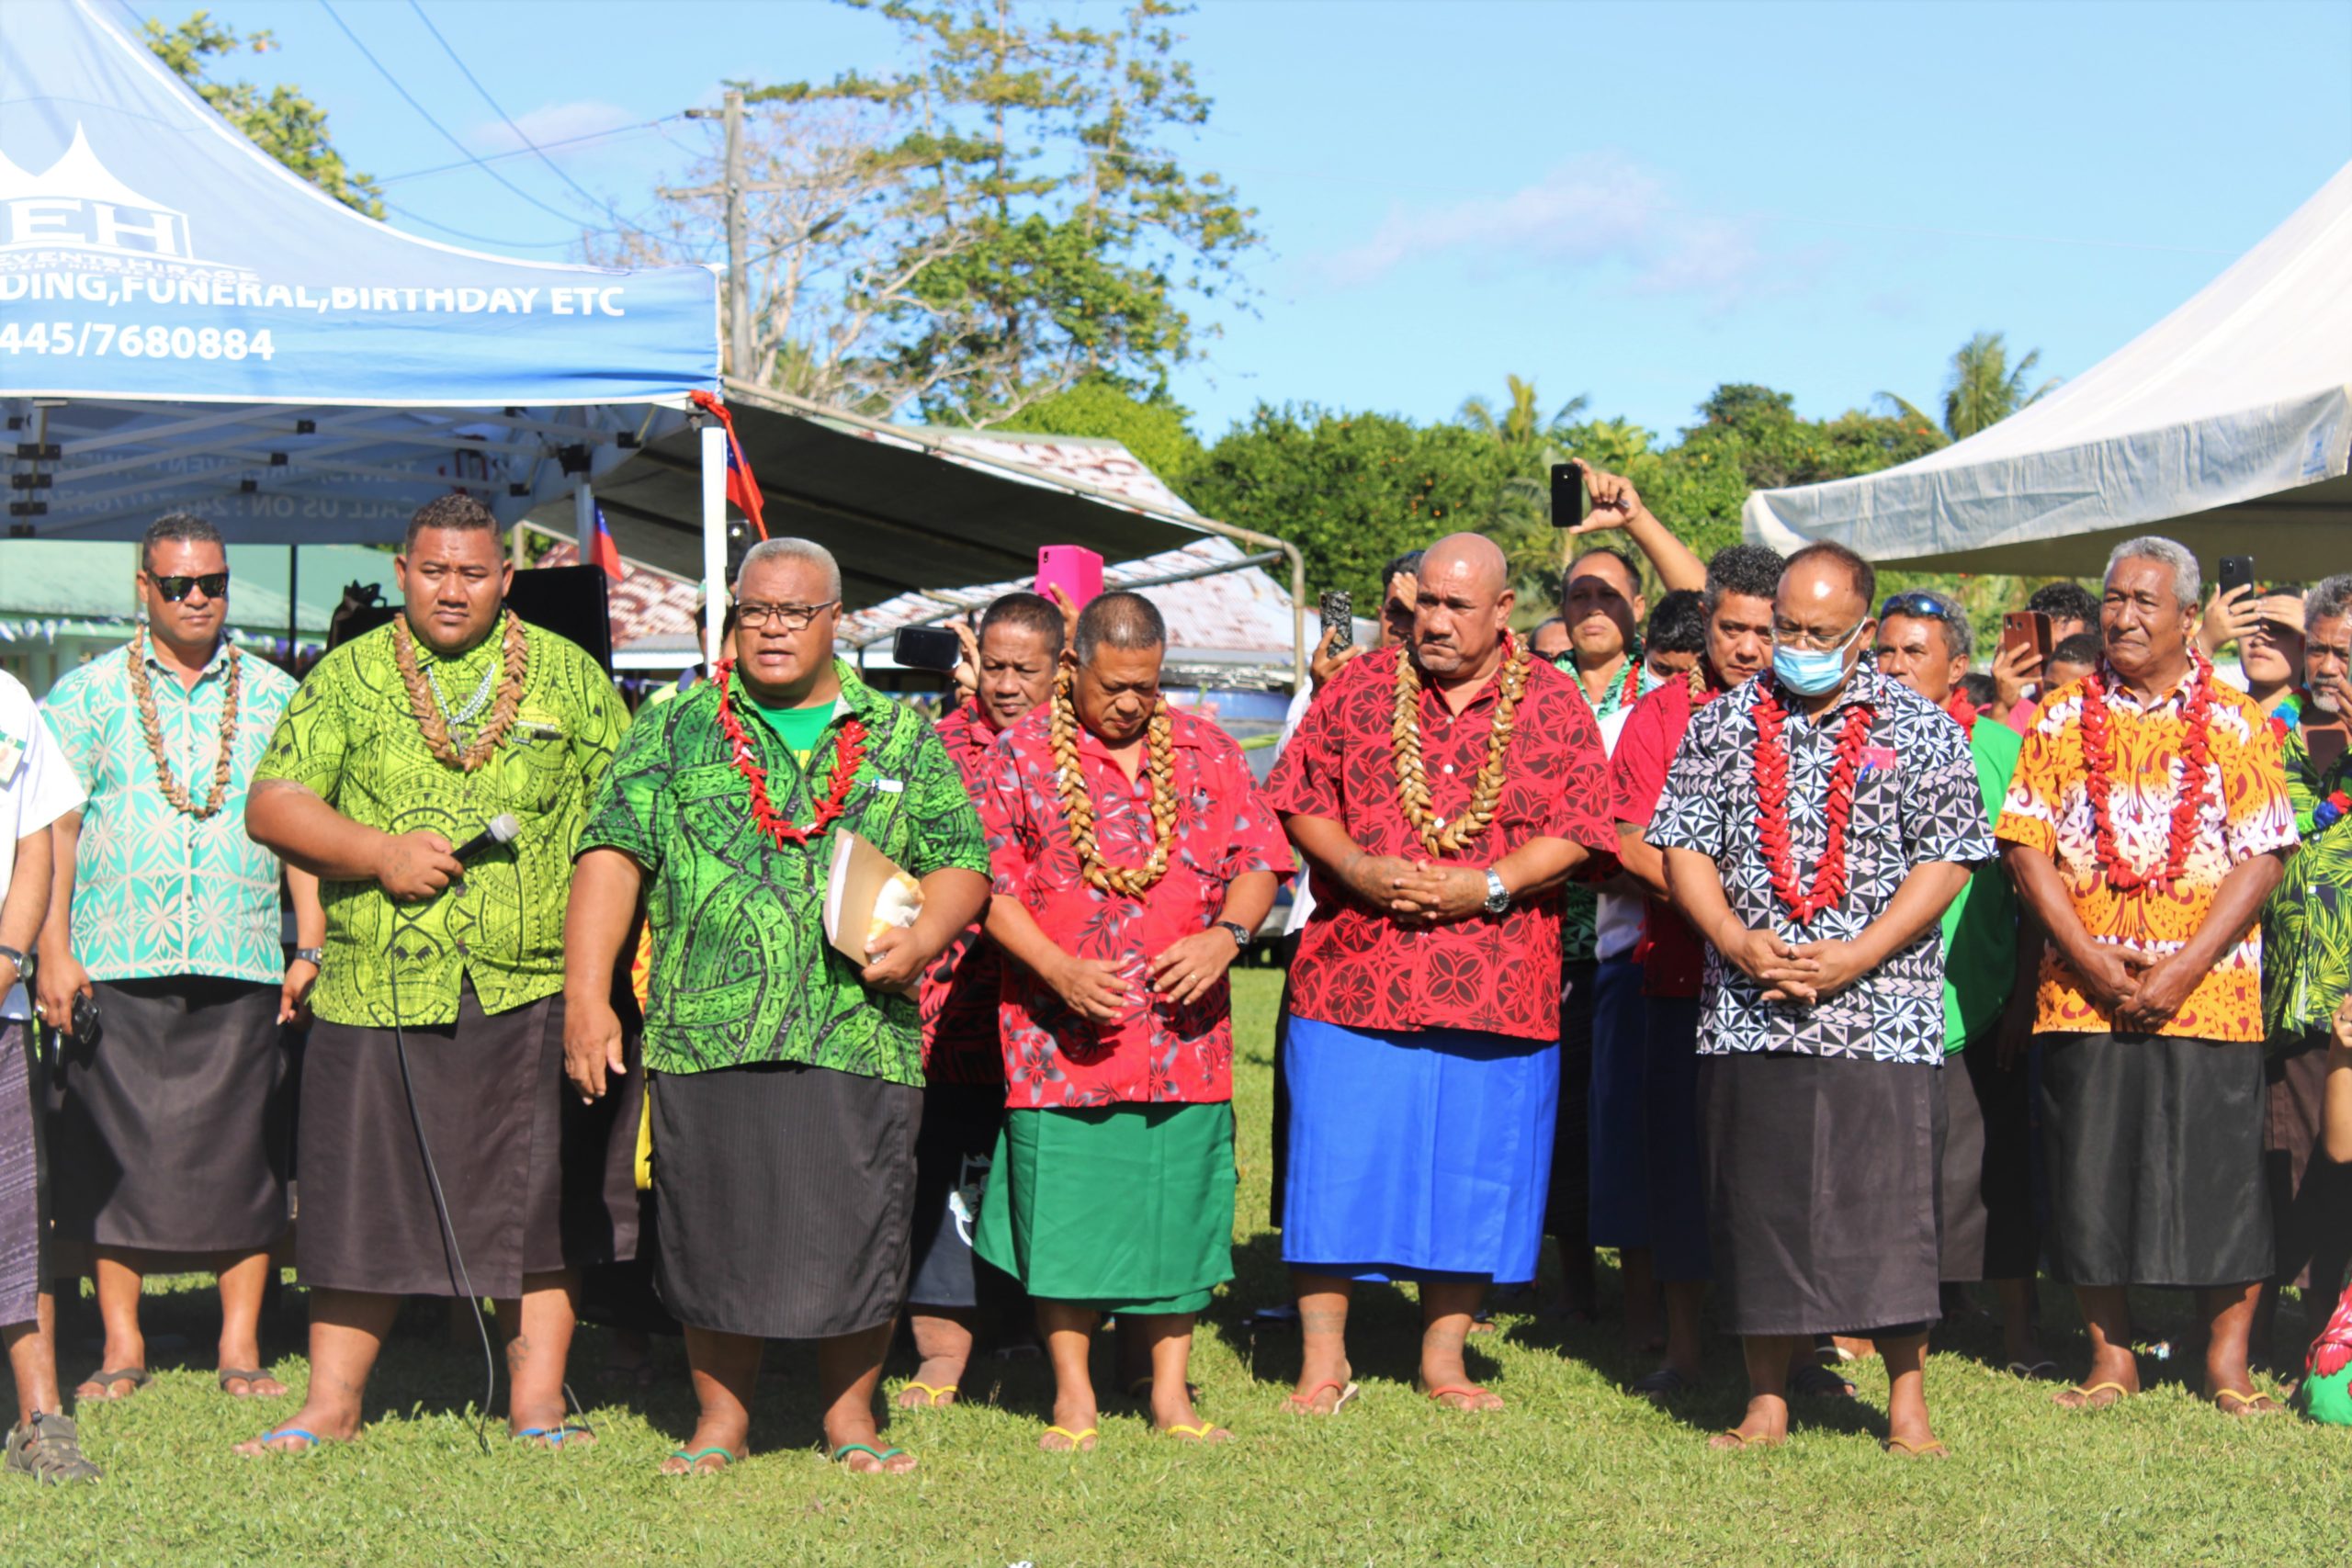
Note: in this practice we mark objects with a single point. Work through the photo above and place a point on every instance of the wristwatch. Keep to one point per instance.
(15, 956)
(1498, 896)
(1239, 933)
(316, 957)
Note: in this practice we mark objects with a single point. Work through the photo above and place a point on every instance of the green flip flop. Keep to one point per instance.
(693, 1459)
(880, 1456)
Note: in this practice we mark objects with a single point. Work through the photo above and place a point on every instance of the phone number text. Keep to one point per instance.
(88, 338)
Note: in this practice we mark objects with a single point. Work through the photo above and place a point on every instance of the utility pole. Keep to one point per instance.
(733, 187)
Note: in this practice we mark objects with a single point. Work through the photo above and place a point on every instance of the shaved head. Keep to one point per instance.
(1463, 605)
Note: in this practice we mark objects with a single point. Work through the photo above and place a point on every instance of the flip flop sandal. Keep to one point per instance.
(2034, 1371)
(137, 1377)
(1078, 1440)
(553, 1436)
(693, 1459)
(1304, 1403)
(1818, 1381)
(1662, 1385)
(881, 1457)
(932, 1394)
(1467, 1390)
(2086, 1394)
(310, 1441)
(2256, 1403)
(1929, 1449)
(1199, 1434)
(248, 1376)
(1740, 1441)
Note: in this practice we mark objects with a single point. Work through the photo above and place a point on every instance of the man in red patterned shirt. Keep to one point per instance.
(1741, 582)
(1015, 657)
(1134, 861)
(1442, 792)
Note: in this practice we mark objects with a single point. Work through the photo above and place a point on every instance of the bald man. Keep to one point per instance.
(1441, 793)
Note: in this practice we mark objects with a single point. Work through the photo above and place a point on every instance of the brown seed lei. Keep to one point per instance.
(142, 692)
(1078, 807)
(1412, 778)
(428, 708)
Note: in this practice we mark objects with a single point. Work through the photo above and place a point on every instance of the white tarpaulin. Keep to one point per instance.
(2227, 425)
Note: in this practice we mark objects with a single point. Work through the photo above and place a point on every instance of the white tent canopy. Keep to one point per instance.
(2226, 425)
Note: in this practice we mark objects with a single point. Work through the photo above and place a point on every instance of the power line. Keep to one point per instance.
(466, 72)
(653, 125)
(327, 5)
(413, 216)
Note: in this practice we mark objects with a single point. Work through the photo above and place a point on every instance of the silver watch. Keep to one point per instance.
(311, 955)
(1498, 896)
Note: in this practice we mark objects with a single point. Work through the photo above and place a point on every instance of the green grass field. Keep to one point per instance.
(1575, 1470)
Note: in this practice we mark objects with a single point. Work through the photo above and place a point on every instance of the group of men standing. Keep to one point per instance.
(1739, 884)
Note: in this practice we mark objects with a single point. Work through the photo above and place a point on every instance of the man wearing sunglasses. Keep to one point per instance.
(162, 965)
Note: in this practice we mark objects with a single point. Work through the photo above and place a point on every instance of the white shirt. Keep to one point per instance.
(1302, 902)
(36, 787)
(1617, 923)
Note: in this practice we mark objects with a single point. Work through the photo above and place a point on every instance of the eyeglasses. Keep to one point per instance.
(1817, 642)
(784, 618)
(1919, 606)
(175, 589)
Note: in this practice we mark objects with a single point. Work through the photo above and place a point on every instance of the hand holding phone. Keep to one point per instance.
(1571, 503)
(927, 647)
(1338, 621)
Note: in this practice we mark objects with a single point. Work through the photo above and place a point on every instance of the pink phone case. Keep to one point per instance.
(1074, 569)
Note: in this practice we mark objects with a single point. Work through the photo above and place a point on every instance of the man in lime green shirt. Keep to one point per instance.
(1924, 641)
(440, 990)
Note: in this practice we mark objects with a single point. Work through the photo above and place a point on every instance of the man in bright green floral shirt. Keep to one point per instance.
(788, 1079)
(440, 993)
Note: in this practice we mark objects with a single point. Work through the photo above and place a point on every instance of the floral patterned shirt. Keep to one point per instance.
(1359, 968)
(960, 1042)
(157, 892)
(1159, 1053)
(2307, 924)
(1580, 904)
(1916, 802)
(2249, 814)
(743, 972)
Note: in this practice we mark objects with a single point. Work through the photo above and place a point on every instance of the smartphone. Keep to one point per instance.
(2029, 629)
(2237, 572)
(85, 1019)
(1340, 618)
(927, 647)
(1074, 569)
(1571, 503)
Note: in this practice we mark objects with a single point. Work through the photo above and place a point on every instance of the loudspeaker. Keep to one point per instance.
(566, 600)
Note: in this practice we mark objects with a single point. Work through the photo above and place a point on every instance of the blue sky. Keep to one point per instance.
(1630, 202)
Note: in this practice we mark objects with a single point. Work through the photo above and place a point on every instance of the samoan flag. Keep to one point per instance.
(743, 490)
(602, 552)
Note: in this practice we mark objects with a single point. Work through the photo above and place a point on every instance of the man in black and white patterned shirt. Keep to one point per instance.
(1815, 822)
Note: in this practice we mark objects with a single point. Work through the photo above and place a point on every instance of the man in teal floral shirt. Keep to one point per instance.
(788, 1080)
(175, 1135)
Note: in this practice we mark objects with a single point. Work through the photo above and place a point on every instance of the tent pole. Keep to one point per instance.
(293, 603)
(714, 536)
(583, 521)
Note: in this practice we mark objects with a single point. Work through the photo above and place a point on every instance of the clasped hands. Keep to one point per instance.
(1804, 973)
(1184, 971)
(1418, 892)
(2138, 991)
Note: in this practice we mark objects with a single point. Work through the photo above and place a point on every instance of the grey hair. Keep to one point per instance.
(792, 549)
(1959, 637)
(2187, 583)
(2329, 598)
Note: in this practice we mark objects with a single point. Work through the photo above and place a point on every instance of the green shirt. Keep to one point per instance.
(2307, 923)
(350, 737)
(741, 971)
(1981, 925)
(799, 728)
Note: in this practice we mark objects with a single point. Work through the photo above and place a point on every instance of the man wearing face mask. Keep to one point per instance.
(1737, 606)
(1816, 823)
(2306, 972)
(1015, 657)
(1134, 859)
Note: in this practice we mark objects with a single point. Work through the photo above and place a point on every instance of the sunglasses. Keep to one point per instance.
(175, 589)
(1919, 606)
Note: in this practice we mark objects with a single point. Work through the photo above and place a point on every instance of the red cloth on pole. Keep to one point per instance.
(742, 488)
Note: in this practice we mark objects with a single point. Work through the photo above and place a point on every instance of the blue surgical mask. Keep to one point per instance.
(1808, 672)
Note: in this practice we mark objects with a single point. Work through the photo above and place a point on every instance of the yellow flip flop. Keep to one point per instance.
(1199, 1434)
(1078, 1440)
(932, 1394)
(2091, 1393)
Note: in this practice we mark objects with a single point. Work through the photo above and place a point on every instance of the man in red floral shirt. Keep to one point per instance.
(1442, 792)
(1134, 861)
(1015, 657)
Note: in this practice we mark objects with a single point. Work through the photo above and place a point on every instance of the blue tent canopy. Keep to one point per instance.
(186, 324)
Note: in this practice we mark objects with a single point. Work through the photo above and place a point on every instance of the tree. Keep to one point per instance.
(1350, 490)
(1520, 427)
(1153, 429)
(286, 125)
(997, 222)
(1981, 390)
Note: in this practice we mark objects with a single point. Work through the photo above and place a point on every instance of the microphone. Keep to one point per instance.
(502, 829)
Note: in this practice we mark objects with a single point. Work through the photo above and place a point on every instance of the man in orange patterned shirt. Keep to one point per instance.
(2147, 820)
